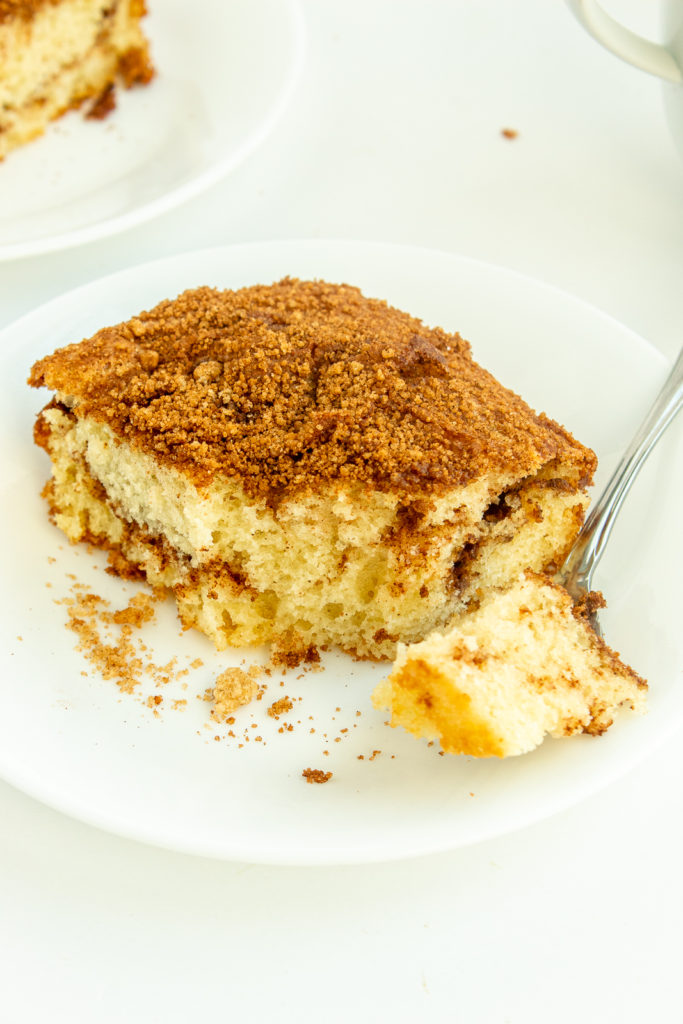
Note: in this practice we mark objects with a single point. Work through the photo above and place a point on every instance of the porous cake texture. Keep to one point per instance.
(302, 466)
(56, 54)
(525, 664)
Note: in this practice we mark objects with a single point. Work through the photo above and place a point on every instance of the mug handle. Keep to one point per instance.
(635, 49)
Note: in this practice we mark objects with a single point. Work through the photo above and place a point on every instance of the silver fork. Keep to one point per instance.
(576, 574)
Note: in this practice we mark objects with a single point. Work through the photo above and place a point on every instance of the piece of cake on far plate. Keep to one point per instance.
(525, 664)
(304, 466)
(58, 54)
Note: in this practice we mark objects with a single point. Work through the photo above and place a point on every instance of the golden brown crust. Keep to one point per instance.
(290, 385)
(461, 729)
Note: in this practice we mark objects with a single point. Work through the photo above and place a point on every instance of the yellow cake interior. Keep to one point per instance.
(339, 567)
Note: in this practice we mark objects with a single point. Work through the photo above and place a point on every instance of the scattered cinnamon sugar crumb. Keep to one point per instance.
(280, 707)
(117, 660)
(105, 636)
(509, 133)
(232, 689)
(316, 775)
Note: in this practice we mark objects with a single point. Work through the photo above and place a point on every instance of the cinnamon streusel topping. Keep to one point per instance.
(289, 385)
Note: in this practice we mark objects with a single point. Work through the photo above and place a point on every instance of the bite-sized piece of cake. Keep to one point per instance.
(232, 689)
(523, 665)
(56, 54)
(304, 466)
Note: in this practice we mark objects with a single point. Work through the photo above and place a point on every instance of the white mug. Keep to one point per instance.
(662, 59)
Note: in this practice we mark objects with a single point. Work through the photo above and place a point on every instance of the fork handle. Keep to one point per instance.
(590, 544)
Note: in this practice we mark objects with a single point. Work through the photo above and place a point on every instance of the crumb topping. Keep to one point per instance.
(316, 775)
(288, 385)
(280, 707)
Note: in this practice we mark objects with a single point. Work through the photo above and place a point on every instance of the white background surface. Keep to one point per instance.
(394, 135)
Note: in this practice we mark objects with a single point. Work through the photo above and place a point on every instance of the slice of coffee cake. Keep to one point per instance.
(56, 54)
(304, 466)
(525, 664)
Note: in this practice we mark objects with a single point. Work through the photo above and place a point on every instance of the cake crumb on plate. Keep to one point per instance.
(234, 688)
(316, 775)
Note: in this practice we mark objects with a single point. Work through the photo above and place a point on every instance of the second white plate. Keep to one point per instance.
(225, 73)
(74, 741)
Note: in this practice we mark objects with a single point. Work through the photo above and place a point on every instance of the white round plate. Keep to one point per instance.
(225, 72)
(69, 738)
